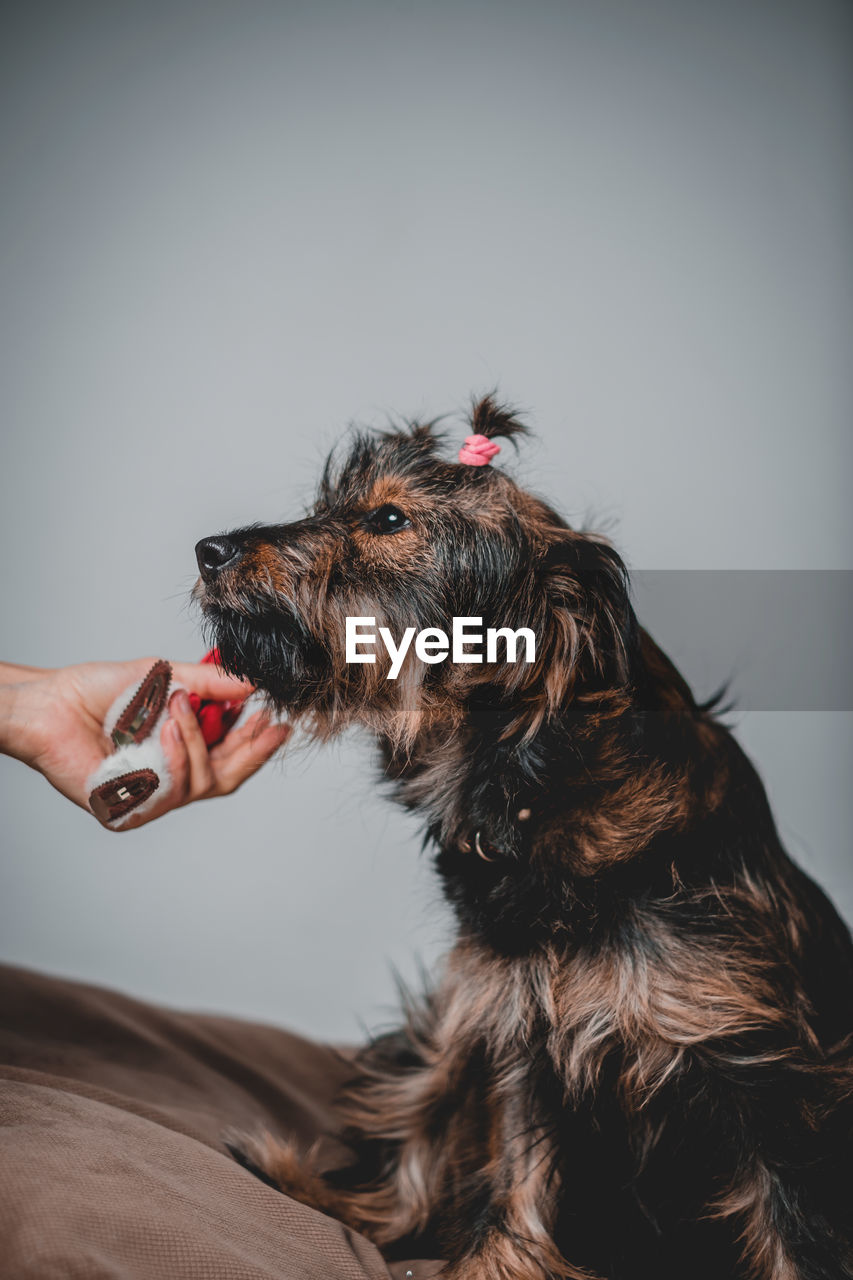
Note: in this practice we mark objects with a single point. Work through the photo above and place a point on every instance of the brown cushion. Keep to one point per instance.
(111, 1158)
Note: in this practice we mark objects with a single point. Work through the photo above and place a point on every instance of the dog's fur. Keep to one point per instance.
(638, 1061)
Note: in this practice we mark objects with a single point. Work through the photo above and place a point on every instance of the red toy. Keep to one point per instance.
(215, 718)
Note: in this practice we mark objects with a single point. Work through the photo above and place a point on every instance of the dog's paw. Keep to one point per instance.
(248, 1152)
(283, 1166)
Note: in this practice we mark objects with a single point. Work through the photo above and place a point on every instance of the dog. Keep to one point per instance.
(638, 1061)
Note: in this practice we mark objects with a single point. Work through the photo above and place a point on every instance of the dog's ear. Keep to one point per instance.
(490, 418)
(589, 634)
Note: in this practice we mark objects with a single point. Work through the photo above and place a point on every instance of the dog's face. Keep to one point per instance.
(400, 535)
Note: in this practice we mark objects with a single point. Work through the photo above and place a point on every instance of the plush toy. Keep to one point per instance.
(136, 775)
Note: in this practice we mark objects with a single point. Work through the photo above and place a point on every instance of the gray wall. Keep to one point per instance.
(228, 230)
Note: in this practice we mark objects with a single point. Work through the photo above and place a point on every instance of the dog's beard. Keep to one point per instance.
(272, 650)
(298, 674)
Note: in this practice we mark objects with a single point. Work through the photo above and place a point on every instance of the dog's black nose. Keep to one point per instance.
(214, 554)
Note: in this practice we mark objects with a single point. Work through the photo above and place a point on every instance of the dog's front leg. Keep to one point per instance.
(450, 1147)
(753, 1143)
(781, 1236)
(501, 1220)
(515, 1244)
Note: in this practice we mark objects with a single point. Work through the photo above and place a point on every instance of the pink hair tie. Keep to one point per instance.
(478, 451)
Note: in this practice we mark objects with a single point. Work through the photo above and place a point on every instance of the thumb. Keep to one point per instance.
(209, 682)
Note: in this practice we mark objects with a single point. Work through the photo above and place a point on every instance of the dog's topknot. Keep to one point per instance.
(490, 418)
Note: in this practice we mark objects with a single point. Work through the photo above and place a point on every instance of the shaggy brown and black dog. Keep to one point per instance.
(638, 1061)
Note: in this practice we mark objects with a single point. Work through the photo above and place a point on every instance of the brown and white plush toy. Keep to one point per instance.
(136, 775)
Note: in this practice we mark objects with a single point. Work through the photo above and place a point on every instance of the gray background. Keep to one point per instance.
(228, 230)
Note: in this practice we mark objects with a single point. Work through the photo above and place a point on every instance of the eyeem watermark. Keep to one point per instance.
(434, 645)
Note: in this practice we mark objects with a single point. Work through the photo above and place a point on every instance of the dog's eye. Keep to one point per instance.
(388, 519)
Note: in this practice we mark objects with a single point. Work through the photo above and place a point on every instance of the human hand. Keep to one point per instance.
(53, 721)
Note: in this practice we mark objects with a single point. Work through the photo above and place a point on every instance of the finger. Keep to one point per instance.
(177, 762)
(235, 738)
(233, 770)
(201, 780)
(209, 682)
